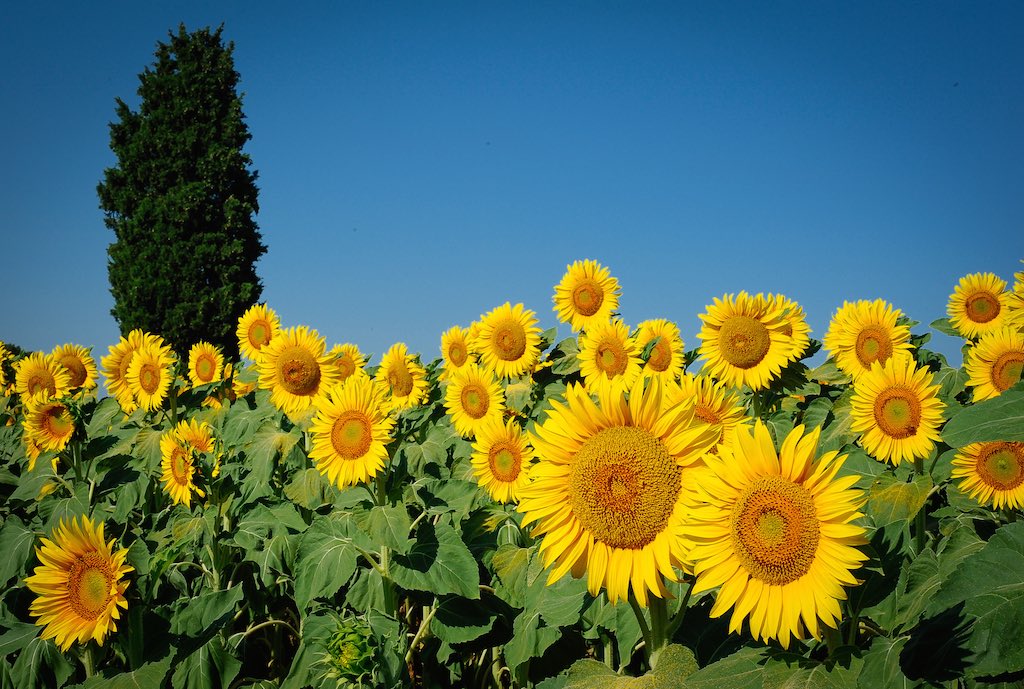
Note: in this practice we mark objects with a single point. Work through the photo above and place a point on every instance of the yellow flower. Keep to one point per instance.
(41, 377)
(49, 425)
(992, 473)
(347, 359)
(205, 364)
(501, 459)
(994, 364)
(864, 332)
(118, 360)
(296, 370)
(773, 532)
(712, 402)
(80, 365)
(472, 399)
(150, 375)
(455, 350)
(605, 495)
(78, 584)
(403, 378)
(508, 340)
(609, 358)
(587, 295)
(666, 357)
(979, 304)
(257, 328)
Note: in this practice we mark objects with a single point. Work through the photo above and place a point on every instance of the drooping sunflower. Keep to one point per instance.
(404, 378)
(296, 369)
(992, 473)
(257, 328)
(501, 459)
(773, 532)
(606, 492)
(78, 584)
(177, 464)
(666, 357)
(49, 424)
(995, 363)
(80, 365)
(609, 358)
(40, 377)
(350, 432)
(796, 327)
(896, 410)
(508, 340)
(587, 295)
(979, 304)
(150, 375)
(455, 352)
(713, 403)
(117, 362)
(205, 364)
(864, 332)
(744, 341)
(472, 399)
(347, 359)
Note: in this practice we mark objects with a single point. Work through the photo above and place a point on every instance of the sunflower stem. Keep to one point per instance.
(676, 621)
(659, 627)
(174, 404)
(645, 631)
(88, 660)
(920, 524)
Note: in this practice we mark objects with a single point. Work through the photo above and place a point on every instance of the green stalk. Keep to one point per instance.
(920, 524)
(174, 404)
(88, 660)
(645, 631)
(659, 627)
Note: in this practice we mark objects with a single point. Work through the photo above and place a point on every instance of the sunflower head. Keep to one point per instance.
(78, 584)
(79, 364)
(49, 424)
(41, 377)
(992, 473)
(995, 363)
(205, 364)
(347, 359)
(508, 341)
(501, 459)
(150, 375)
(864, 332)
(795, 321)
(257, 328)
(979, 304)
(455, 352)
(403, 378)
(295, 368)
(473, 398)
(713, 404)
(587, 294)
(665, 358)
(118, 361)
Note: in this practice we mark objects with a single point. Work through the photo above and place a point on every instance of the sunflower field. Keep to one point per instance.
(607, 510)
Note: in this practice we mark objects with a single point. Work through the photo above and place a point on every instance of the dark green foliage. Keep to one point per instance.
(181, 199)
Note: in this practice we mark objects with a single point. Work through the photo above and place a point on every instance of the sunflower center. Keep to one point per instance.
(660, 356)
(1001, 465)
(1007, 370)
(611, 358)
(744, 341)
(623, 486)
(58, 422)
(89, 583)
(351, 435)
(299, 370)
(457, 354)
(505, 461)
(76, 368)
(509, 340)
(982, 307)
(41, 381)
(206, 368)
(475, 400)
(897, 412)
(180, 465)
(587, 297)
(706, 414)
(775, 530)
(873, 344)
(259, 334)
(400, 380)
(149, 378)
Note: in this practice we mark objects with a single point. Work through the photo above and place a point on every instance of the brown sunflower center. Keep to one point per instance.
(74, 366)
(1001, 465)
(298, 371)
(509, 340)
(775, 530)
(41, 380)
(873, 344)
(149, 378)
(982, 307)
(346, 364)
(180, 465)
(475, 400)
(457, 354)
(611, 358)
(898, 412)
(505, 461)
(351, 434)
(587, 297)
(259, 333)
(623, 486)
(660, 356)
(743, 341)
(58, 422)
(400, 380)
(1007, 370)
(706, 414)
(89, 585)
(206, 368)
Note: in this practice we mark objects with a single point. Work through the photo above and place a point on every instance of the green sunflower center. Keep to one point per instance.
(509, 340)
(74, 366)
(775, 530)
(1001, 465)
(587, 297)
(898, 412)
(623, 486)
(259, 334)
(611, 358)
(982, 307)
(743, 341)
(475, 400)
(351, 435)
(505, 461)
(661, 355)
(206, 368)
(1007, 370)
(299, 371)
(89, 584)
(873, 344)
(149, 378)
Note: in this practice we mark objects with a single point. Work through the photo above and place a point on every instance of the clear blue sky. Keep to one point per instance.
(421, 163)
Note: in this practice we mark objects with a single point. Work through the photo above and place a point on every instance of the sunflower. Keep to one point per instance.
(609, 358)
(896, 410)
(296, 370)
(257, 328)
(350, 432)
(205, 364)
(40, 377)
(32, 449)
(49, 424)
(150, 375)
(80, 365)
(666, 356)
(501, 459)
(508, 340)
(606, 493)
(796, 327)
(995, 363)
(712, 402)
(744, 342)
(117, 362)
(979, 304)
(78, 584)
(864, 332)
(177, 462)
(473, 398)
(774, 532)
(4, 356)
(404, 379)
(347, 359)
(455, 350)
(992, 473)
(587, 295)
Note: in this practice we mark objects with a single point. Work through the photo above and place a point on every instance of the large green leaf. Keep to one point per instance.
(389, 525)
(327, 556)
(999, 418)
(16, 541)
(837, 432)
(744, 669)
(206, 613)
(439, 562)
(211, 666)
(891, 500)
(459, 619)
(146, 677)
(41, 665)
(804, 674)
(675, 664)
(882, 666)
(17, 636)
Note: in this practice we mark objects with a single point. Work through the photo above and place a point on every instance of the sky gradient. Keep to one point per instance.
(422, 163)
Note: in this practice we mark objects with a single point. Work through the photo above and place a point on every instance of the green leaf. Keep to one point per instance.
(41, 665)
(438, 561)
(389, 525)
(206, 613)
(742, 670)
(459, 619)
(893, 501)
(316, 628)
(210, 666)
(864, 466)
(999, 418)
(944, 326)
(17, 636)
(16, 541)
(837, 433)
(882, 666)
(146, 677)
(308, 489)
(326, 557)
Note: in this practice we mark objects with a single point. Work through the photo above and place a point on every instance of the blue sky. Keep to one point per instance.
(422, 163)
